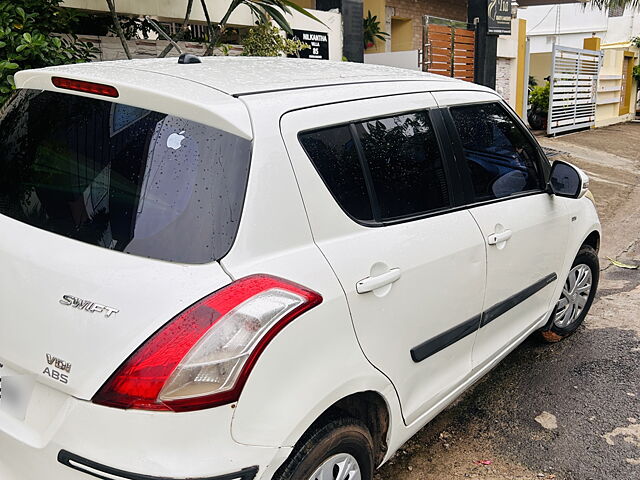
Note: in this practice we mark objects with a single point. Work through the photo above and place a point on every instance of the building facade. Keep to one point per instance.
(403, 20)
(582, 26)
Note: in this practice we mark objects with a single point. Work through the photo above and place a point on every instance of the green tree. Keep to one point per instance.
(29, 39)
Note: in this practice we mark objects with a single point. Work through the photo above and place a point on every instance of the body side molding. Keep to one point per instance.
(504, 306)
(445, 339)
(451, 336)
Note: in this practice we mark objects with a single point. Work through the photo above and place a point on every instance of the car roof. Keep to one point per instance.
(250, 75)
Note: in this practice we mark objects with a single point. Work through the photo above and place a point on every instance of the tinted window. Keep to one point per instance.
(120, 177)
(502, 160)
(406, 167)
(333, 153)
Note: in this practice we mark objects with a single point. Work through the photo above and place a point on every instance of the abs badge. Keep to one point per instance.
(56, 368)
(87, 305)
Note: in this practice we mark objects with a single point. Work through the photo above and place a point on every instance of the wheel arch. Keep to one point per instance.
(592, 240)
(371, 408)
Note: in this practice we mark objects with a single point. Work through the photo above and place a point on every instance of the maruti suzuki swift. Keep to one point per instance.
(249, 268)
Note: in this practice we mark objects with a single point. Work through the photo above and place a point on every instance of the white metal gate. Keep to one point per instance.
(574, 81)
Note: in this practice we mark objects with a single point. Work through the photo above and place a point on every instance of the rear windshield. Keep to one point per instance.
(121, 177)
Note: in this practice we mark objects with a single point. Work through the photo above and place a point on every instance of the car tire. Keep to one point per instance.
(563, 322)
(341, 445)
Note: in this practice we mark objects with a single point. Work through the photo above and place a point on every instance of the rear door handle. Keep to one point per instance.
(496, 238)
(373, 283)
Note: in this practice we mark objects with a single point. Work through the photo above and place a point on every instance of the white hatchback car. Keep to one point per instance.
(243, 268)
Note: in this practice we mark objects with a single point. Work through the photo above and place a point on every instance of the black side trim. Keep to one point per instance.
(94, 469)
(504, 306)
(451, 336)
(445, 339)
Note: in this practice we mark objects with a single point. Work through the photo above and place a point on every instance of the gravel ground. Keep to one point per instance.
(566, 411)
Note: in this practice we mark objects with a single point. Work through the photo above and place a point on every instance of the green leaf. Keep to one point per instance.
(262, 18)
(27, 36)
(11, 81)
(21, 12)
(3, 44)
(20, 48)
(278, 18)
(10, 65)
(622, 265)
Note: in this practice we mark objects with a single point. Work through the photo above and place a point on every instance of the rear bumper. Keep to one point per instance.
(70, 439)
(102, 471)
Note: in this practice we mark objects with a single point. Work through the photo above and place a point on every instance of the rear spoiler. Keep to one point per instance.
(149, 90)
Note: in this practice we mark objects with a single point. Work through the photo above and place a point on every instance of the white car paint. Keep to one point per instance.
(290, 227)
(431, 251)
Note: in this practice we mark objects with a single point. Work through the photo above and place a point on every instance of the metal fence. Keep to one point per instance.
(574, 81)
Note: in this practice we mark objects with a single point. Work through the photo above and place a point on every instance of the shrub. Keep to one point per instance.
(28, 40)
(539, 97)
(265, 40)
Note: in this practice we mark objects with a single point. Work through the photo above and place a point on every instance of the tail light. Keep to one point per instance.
(86, 87)
(202, 357)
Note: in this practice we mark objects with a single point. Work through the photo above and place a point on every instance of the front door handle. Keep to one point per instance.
(370, 284)
(496, 238)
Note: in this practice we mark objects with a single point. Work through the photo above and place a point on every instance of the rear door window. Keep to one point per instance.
(121, 177)
(383, 169)
(405, 163)
(334, 155)
(500, 158)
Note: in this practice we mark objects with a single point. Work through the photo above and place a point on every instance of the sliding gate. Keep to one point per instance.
(574, 82)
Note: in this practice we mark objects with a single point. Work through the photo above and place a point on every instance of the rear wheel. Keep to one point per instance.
(577, 296)
(341, 449)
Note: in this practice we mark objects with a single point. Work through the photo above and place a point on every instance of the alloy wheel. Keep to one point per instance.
(575, 295)
(338, 467)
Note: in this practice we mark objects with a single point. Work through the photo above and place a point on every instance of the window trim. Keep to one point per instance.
(542, 161)
(450, 171)
(366, 173)
(359, 221)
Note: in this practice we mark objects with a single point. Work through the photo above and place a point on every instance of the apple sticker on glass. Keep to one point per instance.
(175, 140)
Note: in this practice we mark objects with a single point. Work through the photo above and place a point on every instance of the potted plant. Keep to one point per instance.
(372, 30)
(539, 101)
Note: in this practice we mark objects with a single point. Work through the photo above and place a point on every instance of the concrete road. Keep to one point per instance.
(567, 411)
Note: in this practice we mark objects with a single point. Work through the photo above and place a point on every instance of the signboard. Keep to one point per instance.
(318, 41)
(499, 17)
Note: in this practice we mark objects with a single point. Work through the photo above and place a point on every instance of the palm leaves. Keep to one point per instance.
(264, 10)
(275, 9)
(603, 4)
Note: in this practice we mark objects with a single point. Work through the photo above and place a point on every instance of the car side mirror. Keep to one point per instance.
(567, 180)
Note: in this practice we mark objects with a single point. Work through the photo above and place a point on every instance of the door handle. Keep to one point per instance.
(373, 283)
(496, 238)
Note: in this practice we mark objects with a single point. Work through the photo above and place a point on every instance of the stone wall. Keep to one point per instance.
(504, 73)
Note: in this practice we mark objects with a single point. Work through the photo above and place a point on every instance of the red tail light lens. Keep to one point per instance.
(86, 87)
(202, 357)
